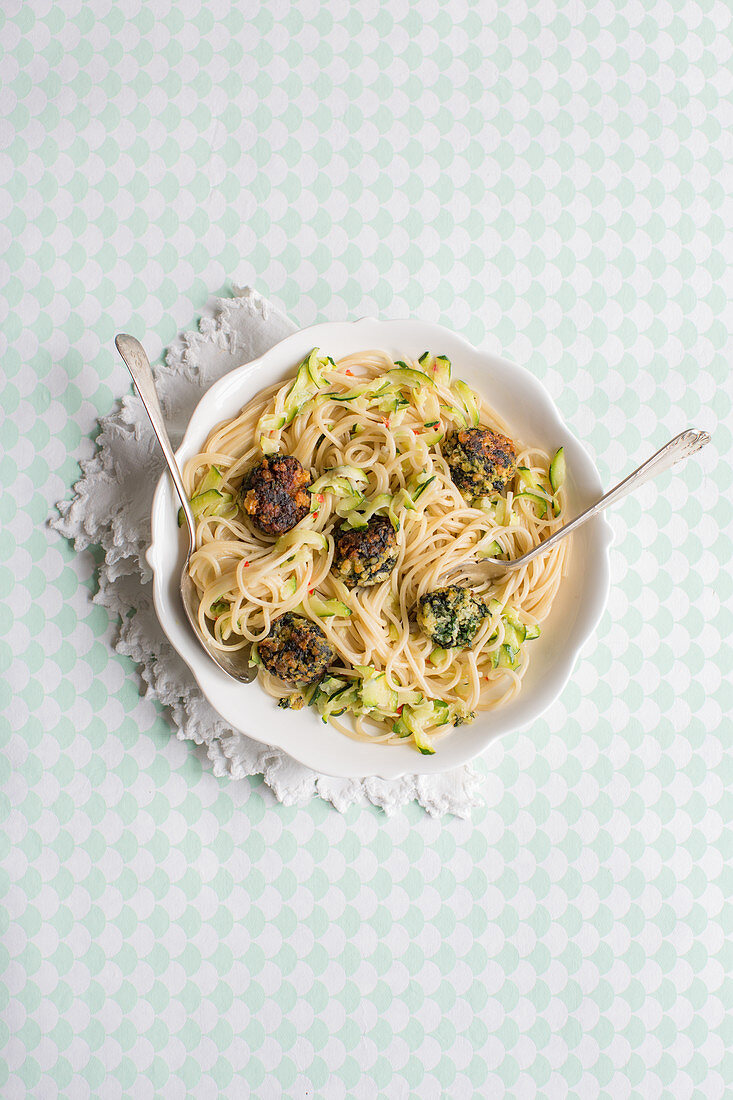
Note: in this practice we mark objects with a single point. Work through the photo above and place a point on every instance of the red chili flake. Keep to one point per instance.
(416, 431)
(349, 372)
(246, 564)
(320, 498)
(399, 709)
(315, 514)
(311, 591)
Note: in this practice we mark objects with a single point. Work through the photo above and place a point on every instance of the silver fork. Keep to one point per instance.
(682, 446)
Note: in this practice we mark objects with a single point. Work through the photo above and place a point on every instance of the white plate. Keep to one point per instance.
(520, 399)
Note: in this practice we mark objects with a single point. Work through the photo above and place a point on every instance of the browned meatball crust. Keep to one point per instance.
(481, 461)
(296, 650)
(365, 555)
(275, 494)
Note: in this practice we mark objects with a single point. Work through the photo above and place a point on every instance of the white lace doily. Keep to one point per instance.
(111, 508)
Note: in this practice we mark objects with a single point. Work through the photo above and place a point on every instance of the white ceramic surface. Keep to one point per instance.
(523, 403)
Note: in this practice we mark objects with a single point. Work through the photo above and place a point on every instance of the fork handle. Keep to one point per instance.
(682, 446)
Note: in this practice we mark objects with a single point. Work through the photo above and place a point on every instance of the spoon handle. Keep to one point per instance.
(682, 446)
(138, 365)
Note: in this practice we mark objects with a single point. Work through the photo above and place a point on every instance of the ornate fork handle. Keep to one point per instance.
(682, 446)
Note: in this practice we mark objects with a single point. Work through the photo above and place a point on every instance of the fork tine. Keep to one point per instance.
(467, 571)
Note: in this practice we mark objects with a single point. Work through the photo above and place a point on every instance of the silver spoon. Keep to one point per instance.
(682, 446)
(138, 364)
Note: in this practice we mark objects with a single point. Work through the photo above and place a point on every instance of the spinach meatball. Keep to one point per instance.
(275, 494)
(451, 616)
(365, 555)
(481, 461)
(296, 650)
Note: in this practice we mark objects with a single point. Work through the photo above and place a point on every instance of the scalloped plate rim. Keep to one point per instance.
(348, 758)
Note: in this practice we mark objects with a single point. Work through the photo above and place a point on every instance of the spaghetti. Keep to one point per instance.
(384, 421)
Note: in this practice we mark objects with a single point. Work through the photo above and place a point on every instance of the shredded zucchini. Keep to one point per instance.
(437, 367)
(558, 469)
(357, 513)
(210, 503)
(323, 609)
(539, 502)
(469, 401)
(308, 381)
(334, 479)
(301, 538)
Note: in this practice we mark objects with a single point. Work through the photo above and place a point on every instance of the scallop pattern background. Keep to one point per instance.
(552, 181)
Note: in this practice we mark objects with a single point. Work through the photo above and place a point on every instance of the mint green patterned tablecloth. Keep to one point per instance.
(552, 181)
